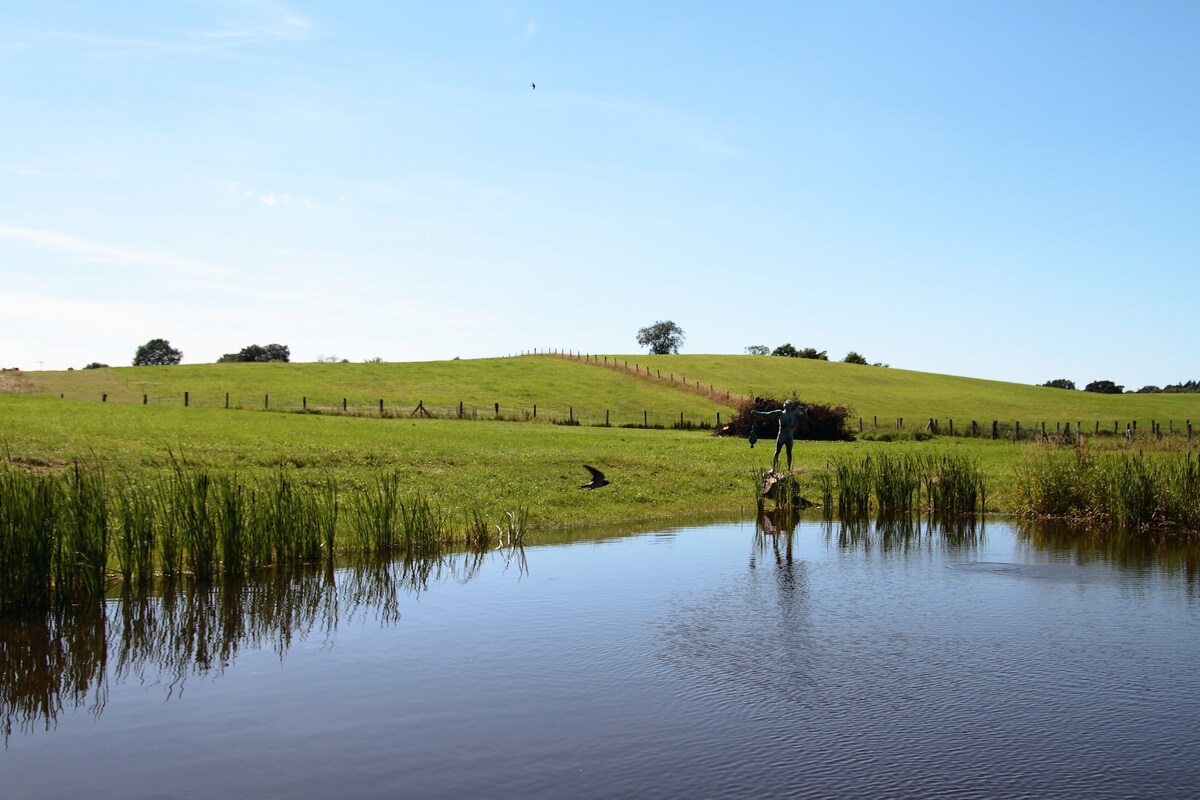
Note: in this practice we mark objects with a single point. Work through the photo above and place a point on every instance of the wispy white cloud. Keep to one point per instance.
(246, 24)
(259, 21)
(105, 253)
(267, 198)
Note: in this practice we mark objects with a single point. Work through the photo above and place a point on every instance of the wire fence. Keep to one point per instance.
(560, 414)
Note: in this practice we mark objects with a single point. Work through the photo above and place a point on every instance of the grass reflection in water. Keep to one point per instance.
(63, 658)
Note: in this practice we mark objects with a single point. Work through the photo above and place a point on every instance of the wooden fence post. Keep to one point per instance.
(460, 409)
(680, 420)
(381, 406)
(185, 399)
(571, 414)
(534, 411)
(343, 405)
(227, 400)
(145, 399)
(266, 401)
(497, 407)
(304, 403)
(1017, 436)
(646, 424)
(104, 397)
(606, 418)
(995, 428)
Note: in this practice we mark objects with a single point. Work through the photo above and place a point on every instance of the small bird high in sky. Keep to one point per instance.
(597, 480)
(532, 85)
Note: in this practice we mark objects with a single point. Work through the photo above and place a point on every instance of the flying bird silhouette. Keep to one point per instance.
(533, 86)
(597, 480)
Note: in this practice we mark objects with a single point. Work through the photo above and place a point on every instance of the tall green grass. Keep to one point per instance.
(29, 508)
(1127, 490)
(943, 485)
(55, 542)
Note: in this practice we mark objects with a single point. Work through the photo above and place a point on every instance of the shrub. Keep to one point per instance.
(824, 423)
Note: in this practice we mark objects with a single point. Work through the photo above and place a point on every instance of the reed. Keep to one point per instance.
(232, 522)
(477, 532)
(1135, 493)
(825, 484)
(81, 539)
(896, 480)
(377, 515)
(29, 508)
(293, 521)
(195, 515)
(135, 536)
(1133, 490)
(423, 527)
(854, 482)
(955, 485)
(512, 529)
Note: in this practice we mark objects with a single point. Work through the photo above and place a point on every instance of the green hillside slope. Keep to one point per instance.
(559, 389)
(632, 384)
(889, 393)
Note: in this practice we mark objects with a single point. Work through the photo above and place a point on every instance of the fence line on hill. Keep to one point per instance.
(871, 428)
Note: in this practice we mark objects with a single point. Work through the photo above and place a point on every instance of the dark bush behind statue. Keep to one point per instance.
(824, 423)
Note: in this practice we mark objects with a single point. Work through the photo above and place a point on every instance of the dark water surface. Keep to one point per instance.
(834, 661)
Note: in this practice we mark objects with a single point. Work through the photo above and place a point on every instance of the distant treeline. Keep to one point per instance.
(1187, 387)
(1108, 387)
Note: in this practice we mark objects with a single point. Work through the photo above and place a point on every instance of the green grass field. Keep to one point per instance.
(497, 465)
(562, 387)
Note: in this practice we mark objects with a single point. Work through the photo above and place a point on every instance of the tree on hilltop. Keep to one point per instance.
(1060, 383)
(1104, 387)
(854, 358)
(258, 354)
(758, 350)
(663, 338)
(157, 353)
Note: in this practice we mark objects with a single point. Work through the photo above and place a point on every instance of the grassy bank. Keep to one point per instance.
(655, 474)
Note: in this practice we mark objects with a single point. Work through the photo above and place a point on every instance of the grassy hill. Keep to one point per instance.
(633, 384)
(889, 393)
(559, 389)
(497, 466)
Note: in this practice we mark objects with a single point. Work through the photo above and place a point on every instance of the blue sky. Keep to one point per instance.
(1004, 190)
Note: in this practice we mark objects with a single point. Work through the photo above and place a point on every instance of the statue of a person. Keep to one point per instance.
(788, 416)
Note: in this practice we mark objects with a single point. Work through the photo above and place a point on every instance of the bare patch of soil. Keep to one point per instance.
(14, 381)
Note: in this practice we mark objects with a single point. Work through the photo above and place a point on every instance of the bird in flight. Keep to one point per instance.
(533, 86)
(597, 480)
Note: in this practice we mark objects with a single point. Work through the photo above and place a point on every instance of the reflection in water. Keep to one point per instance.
(964, 534)
(1165, 553)
(60, 659)
(884, 534)
(51, 661)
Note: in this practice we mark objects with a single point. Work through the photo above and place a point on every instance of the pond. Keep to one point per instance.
(829, 660)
